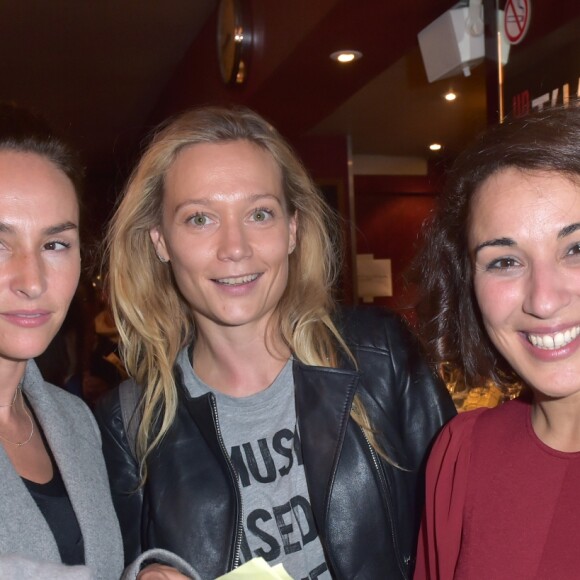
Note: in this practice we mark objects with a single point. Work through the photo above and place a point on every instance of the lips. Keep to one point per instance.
(237, 281)
(554, 340)
(27, 318)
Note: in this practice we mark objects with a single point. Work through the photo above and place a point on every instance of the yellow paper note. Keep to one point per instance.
(257, 569)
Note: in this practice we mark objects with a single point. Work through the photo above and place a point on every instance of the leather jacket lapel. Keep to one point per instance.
(323, 404)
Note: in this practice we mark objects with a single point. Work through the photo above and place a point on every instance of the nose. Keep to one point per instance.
(234, 244)
(547, 292)
(29, 275)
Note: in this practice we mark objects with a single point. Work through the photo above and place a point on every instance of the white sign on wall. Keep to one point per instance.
(516, 20)
(374, 277)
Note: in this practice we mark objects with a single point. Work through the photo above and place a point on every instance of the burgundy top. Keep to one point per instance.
(500, 503)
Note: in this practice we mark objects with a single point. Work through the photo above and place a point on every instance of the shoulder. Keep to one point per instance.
(450, 456)
(118, 409)
(459, 434)
(372, 328)
(73, 411)
(388, 354)
(108, 407)
(62, 414)
(501, 424)
(66, 400)
(50, 397)
(401, 391)
(460, 429)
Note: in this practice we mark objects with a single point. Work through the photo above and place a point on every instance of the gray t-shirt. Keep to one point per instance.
(261, 434)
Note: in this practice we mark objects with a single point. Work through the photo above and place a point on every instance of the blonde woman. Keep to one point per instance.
(269, 422)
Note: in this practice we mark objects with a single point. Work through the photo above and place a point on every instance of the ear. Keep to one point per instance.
(292, 225)
(159, 244)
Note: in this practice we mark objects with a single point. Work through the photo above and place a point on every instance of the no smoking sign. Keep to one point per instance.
(516, 20)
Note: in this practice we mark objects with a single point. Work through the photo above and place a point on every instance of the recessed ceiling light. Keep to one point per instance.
(346, 55)
(450, 95)
(435, 146)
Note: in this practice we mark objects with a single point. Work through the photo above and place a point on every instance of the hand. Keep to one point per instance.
(160, 572)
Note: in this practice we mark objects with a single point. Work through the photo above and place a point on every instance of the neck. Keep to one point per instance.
(11, 373)
(239, 364)
(556, 422)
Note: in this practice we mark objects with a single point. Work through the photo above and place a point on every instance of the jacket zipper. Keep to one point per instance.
(234, 473)
(384, 485)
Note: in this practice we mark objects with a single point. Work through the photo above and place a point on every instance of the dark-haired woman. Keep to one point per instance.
(56, 515)
(57, 519)
(501, 302)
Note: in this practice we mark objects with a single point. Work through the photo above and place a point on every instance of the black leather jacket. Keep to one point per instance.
(366, 510)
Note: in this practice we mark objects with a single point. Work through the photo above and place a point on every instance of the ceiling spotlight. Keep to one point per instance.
(346, 55)
(435, 146)
(450, 95)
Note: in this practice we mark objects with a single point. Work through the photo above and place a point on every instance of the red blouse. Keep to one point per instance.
(500, 503)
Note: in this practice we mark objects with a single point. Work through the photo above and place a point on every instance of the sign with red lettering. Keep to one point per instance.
(516, 20)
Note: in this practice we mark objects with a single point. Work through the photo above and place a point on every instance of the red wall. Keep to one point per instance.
(326, 158)
(389, 214)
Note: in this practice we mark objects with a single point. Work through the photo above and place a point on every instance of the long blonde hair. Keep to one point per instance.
(153, 319)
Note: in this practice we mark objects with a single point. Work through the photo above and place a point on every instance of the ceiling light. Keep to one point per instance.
(344, 56)
(450, 95)
(435, 146)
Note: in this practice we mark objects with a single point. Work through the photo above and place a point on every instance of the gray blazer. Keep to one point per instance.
(27, 546)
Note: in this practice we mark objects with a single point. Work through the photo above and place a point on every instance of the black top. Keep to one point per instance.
(366, 510)
(53, 502)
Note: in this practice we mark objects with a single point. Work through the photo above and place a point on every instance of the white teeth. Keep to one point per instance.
(554, 341)
(240, 280)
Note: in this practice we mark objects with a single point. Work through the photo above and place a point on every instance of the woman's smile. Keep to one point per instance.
(239, 280)
(556, 340)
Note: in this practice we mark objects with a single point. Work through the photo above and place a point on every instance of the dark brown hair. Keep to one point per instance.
(26, 131)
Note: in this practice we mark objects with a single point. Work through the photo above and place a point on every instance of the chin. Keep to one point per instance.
(23, 352)
(239, 318)
(557, 391)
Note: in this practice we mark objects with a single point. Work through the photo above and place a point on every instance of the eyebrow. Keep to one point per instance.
(508, 242)
(49, 231)
(207, 201)
(566, 231)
